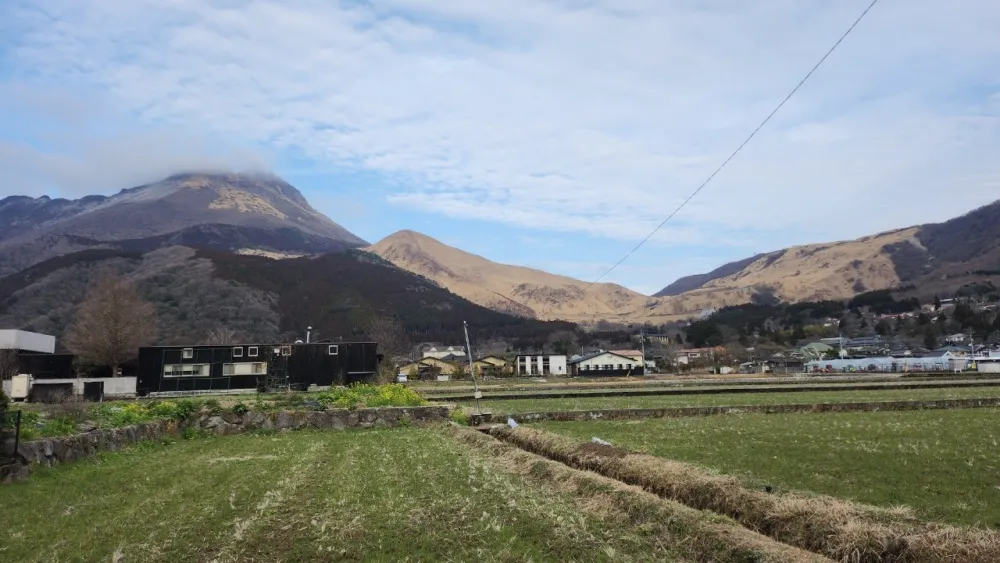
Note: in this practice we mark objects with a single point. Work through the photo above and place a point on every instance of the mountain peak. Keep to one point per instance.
(252, 202)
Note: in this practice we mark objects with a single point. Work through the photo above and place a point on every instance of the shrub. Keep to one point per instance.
(365, 395)
(458, 416)
(240, 408)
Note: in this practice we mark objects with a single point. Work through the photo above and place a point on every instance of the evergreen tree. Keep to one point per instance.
(930, 339)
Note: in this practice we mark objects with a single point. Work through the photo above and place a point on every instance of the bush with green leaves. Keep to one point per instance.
(362, 395)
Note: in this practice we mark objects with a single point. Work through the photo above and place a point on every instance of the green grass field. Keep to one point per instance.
(728, 399)
(378, 495)
(943, 463)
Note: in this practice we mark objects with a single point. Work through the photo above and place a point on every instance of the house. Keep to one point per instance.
(692, 355)
(816, 350)
(428, 368)
(660, 338)
(540, 365)
(634, 354)
(44, 376)
(441, 351)
(605, 364)
(261, 366)
(492, 366)
(957, 338)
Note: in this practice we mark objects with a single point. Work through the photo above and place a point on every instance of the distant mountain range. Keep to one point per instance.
(936, 258)
(203, 247)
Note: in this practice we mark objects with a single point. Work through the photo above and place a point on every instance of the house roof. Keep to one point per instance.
(596, 354)
(496, 360)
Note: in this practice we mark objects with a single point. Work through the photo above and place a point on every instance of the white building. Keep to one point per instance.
(606, 363)
(540, 365)
(37, 352)
(27, 341)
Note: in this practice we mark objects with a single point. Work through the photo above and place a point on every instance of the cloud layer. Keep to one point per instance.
(593, 116)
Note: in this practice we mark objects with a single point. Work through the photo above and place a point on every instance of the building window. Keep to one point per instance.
(333, 350)
(620, 367)
(286, 350)
(252, 351)
(228, 369)
(238, 352)
(186, 370)
(258, 368)
(187, 353)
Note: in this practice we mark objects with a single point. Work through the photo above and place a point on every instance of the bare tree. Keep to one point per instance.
(392, 341)
(111, 323)
(222, 336)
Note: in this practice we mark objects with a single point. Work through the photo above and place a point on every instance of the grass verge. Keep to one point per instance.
(696, 535)
(838, 529)
(515, 406)
(942, 463)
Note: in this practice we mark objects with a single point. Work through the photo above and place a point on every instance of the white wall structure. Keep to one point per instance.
(607, 361)
(540, 365)
(27, 341)
(114, 387)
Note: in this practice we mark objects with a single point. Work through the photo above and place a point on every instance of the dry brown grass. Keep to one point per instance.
(838, 529)
(695, 535)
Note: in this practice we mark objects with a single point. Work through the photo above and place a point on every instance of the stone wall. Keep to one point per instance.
(632, 414)
(230, 423)
(54, 451)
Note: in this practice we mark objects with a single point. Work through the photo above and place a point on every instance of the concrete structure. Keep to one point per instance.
(90, 388)
(606, 364)
(540, 365)
(25, 341)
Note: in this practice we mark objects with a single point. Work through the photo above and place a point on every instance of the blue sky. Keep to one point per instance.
(549, 134)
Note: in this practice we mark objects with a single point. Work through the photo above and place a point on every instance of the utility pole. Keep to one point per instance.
(472, 368)
(642, 341)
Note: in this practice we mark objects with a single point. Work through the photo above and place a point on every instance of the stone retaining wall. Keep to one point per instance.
(230, 423)
(631, 414)
(54, 451)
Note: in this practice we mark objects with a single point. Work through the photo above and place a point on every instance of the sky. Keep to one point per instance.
(554, 134)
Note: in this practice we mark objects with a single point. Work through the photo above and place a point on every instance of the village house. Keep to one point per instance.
(491, 366)
(695, 355)
(603, 363)
(540, 365)
(441, 351)
(428, 368)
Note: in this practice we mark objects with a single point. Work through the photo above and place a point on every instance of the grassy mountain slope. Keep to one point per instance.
(514, 289)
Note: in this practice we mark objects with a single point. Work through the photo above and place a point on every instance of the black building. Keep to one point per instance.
(254, 366)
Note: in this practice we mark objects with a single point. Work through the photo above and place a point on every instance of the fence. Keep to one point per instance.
(10, 435)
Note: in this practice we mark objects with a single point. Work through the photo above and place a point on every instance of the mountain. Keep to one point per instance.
(937, 257)
(253, 213)
(195, 291)
(513, 289)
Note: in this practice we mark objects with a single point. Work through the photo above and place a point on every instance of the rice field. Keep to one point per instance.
(379, 495)
(513, 406)
(945, 464)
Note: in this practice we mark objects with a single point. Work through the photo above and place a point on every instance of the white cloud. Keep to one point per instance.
(596, 117)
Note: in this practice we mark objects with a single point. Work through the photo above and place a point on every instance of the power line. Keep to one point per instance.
(739, 148)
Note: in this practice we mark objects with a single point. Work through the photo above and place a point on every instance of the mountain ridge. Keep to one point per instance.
(35, 229)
